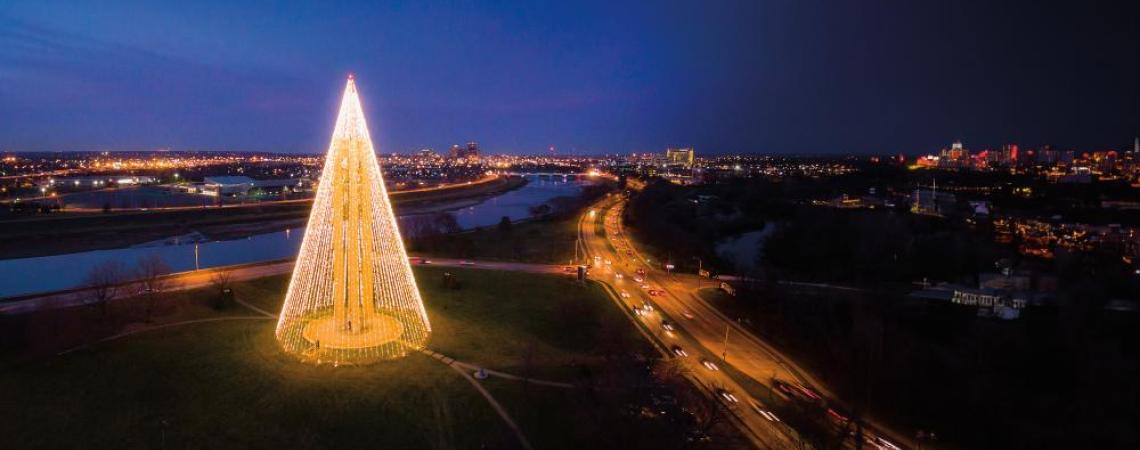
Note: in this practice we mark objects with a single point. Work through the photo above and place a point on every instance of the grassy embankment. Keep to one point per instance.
(40, 235)
(226, 384)
(537, 241)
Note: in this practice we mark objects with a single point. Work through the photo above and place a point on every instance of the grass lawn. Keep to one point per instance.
(540, 241)
(497, 318)
(227, 385)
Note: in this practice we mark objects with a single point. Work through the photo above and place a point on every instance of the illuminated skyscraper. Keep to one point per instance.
(681, 156)
(352, 297)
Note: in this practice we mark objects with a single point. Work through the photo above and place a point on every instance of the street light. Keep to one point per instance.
(700, 270)
(724, 356)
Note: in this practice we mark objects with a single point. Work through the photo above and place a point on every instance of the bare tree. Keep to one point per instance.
(103, 282)
(221, 280)
(152, 271)
(708, 410)
(706, 407)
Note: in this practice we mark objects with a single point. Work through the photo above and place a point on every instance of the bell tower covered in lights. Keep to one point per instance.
(352, 298)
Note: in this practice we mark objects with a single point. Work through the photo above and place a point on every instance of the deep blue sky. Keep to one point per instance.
(587, 77)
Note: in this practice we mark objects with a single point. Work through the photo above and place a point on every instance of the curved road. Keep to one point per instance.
(706, 325)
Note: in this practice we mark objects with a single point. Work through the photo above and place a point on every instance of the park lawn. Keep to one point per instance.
(549, 241)
(48, 331)
(498, 319)
(226, 385)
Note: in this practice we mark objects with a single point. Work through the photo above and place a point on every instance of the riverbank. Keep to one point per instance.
(61, 233)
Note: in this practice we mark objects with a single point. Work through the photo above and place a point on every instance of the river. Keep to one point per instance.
(743, 250)
(50, 273)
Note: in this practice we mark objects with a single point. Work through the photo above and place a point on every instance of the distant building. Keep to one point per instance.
(227, 185)
(235, 186)
(93, 182)
(996, 303)
(470, 151)
(134, 179)
(426, 153)
(680, 156)
(954, 157)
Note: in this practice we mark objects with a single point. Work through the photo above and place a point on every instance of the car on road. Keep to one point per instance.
(687, 315)
(618, 276)
(711, 366)
(647, 306)
(837, 417)
(667, 325)
(795, 391)
(640, 271)
(881, 444)
(656, 292)
(638, 279)
(727, 396)
(677, 350)
(570, 269)
(609, 263)
(624, 294)
(763, 412)
(466, 263)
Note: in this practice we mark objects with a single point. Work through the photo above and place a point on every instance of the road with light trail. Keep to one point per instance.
(711, 329)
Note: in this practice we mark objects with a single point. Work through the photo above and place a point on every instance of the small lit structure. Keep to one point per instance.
(227, 185)
(352, 297)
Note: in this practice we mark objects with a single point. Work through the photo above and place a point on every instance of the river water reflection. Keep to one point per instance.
(49, 273)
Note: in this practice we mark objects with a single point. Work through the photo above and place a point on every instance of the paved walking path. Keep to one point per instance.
(201, 278)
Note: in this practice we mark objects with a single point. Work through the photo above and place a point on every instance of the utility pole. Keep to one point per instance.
(576, 244)
(700, 270)
(724, 356)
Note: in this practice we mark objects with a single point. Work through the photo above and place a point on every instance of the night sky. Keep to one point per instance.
(788, 76)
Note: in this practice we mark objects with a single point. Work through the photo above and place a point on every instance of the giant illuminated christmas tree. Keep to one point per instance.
(352, 297)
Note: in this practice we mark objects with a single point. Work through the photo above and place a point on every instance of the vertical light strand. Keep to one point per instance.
(352, 297)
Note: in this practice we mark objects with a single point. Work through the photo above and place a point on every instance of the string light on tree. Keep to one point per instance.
(352, 298)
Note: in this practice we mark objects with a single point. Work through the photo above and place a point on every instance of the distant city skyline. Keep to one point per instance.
(589, 78)
(445, 150)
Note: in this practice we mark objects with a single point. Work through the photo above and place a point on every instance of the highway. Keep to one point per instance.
(705, 326)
